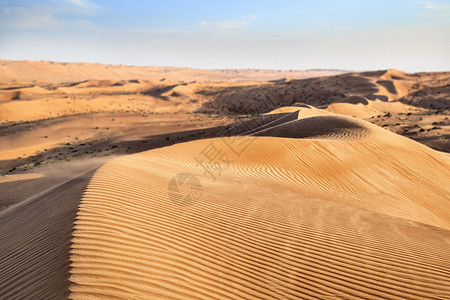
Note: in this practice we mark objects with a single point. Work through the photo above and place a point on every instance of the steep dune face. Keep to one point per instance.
(333, 217)
(35, 238)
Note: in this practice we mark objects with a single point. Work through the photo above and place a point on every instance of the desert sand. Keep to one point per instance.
(70, 72)
(330, 214)
(121, 187)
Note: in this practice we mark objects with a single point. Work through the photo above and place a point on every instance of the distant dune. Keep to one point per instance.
(427, 90)
(69, 72)
(415, 105)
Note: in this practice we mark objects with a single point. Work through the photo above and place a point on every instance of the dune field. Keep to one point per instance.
(70, 72)
(166, 183)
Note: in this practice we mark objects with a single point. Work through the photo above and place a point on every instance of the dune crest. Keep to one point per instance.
(319, 127)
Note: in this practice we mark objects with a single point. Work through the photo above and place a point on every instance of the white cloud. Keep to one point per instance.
(45, 16)
(225, 25)
(158, 31)
(435, 10)
(84, 6)
(30, 18)
(328, 25)
(81, 3)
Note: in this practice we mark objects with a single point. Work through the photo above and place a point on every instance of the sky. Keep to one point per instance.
(355, 35)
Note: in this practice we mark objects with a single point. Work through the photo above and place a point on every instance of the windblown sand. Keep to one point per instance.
(346, 215)
(306, 196)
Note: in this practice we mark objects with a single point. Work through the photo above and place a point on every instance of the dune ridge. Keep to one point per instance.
(312, 218)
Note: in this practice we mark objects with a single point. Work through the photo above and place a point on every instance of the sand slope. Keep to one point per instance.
(35, 238)
(321, 217)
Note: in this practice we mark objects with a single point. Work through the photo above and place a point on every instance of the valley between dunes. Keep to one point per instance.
(282, 189)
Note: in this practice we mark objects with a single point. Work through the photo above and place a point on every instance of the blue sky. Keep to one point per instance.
(283, 34)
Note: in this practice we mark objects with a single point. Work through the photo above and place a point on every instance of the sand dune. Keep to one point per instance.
(367, 95)
(351, 88)
(69, 72)
(305, 198)
(7, 96)
(288, 218)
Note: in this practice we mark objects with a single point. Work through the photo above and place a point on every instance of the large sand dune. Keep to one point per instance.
(327, 217)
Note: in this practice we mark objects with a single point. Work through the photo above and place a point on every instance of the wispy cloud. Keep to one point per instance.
(30, 18)
(81, 3)
(330, 25)
(225, 25)
(435, 10)
(85, 6)
(157, 31)
(46, 15)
